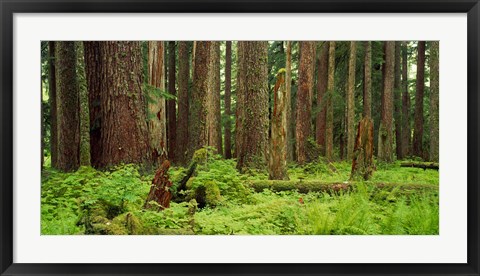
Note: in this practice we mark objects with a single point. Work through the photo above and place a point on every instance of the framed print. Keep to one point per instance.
(239, 137)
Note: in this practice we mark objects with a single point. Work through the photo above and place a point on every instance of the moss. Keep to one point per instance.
(212, 193)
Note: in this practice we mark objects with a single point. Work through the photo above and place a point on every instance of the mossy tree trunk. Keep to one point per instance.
(252, 112)
(288, 102)
(398, 103)
(84, 112)
(197, 128)
(351, 100)
(304, 98)
(367, 81)
(214, 126)
(171, 103)
(362, 164)
(385, 133)
(329, 103)
(182, 120)
(322, 79)
(114, 76)
(420, 86)
(52, 96)
(406, 130)
(68, 106)
(277, 165)
(434, 101)
(228, 92)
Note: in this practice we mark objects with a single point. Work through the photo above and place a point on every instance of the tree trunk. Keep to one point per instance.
(329, 105)
(363, 165)
(420, 85)
(252, 115)
(322, 79)
(68, 109)
(171, 104)
(182, 120)
(84, 112)
(160, 192)
(214, 126)
(304, 98)
(434, 101)
(277, 165)
(367, 84)
(406, 131)
(351, 100)
(157, 117)
(288, 102)
(397, 103)
(117, 114)
(385, 133)
(197, 129)
(228, 91)
(52, 95)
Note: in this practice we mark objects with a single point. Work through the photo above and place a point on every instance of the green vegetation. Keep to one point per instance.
(110, 202)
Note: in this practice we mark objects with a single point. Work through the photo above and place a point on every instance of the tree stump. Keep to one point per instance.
(160, 190)
(362, 164)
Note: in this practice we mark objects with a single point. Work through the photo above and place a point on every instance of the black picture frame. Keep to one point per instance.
(9, 7)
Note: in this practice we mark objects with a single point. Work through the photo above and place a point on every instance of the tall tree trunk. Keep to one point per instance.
(329, 105)
(434, 101)
(351, 100)
(182, 119)
(116, 103)
(84, 112)
(288, 103)
(420, 85)
(228, 91)
(406, 131)
(213, 101)
(197, 129)
(252, 116)
(385, 133)
(322, 79)
(157, 117)
(171, 104)
(52, 95)
(277, 165)
(398, 103)
(304, 98)
(68, 108)
(367, 84)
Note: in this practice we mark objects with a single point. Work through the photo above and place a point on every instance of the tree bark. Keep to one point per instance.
(420, 86)
(322, 79)
(214, 126)
(367, 84)
(434, 101)
(363, 165)
(182, 119)
(84, 112)
(385, 133)
(228, 92)
(351, 100)
(406, 131)
(398, 103)
(288, 103)
(252, 114)
(277, 165)
(68, 109)
(52, 95)
(160, 189)
(197, 129)
(171, 104)
(329, 105)
(304, 98)
(117, 114)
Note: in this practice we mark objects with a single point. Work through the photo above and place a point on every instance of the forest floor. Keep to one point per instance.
(111, 202)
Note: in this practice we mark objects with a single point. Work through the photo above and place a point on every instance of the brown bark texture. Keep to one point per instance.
(288, 89)
(420, 86)
(228, 100)
(406, 131)
(171, 104)
(68, 106)
(322, 79)
(182, 119)
(434, 101)
(363, 164)
(52, 96)
(397, 103)
(385, 133)
(214, 124)
(367, 83)
(304, 98)
(84, 112)
(252, 107)
(329, 103)
(160, 192)
(351, 100)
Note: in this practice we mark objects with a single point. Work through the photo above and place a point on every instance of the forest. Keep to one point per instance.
(240, 138)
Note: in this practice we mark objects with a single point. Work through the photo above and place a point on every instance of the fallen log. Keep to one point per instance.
(421, 165)
(331, 187)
